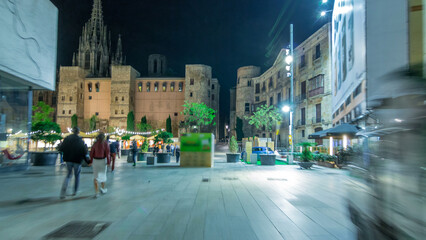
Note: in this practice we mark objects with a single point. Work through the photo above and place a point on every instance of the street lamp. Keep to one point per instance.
(227, 133)
(289, 59)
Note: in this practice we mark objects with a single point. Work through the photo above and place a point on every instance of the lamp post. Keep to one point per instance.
(226, 134)
(290, 133)
(290, 67)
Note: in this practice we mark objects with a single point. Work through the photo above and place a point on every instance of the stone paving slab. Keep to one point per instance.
(237, 201)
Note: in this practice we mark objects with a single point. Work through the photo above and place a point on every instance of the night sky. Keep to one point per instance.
(224, 34)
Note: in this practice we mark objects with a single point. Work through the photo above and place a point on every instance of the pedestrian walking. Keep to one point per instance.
(177, 153)
(168, 148)
(74, 152)
(100, 158)
(172, 149)
(113, 148)
(134, 151)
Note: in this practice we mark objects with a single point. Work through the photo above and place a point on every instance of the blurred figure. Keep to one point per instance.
(74, 152)
(134, 152)
(177, 153)
(387, 186)
(113, 148)
(100, 158)
(172, 149)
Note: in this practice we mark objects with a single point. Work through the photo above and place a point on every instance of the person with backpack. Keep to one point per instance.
(113, 148)
(100, 158)
(74, 152)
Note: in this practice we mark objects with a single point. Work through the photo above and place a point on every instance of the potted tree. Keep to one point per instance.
(267, 117)
(144, 151)
(46, 131)
(125, 138)
(164, 157)
(306, 156)
(197, 115)
(234, 156)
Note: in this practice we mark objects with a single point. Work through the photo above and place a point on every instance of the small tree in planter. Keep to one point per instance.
(144, 151)
(267, 117)
(306, 156)
(44, 130)
(234, 156)
(164, 157)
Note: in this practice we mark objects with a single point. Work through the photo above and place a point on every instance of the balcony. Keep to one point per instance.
(316, 91)
(316, 120)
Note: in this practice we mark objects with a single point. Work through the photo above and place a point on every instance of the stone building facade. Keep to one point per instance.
(312, 91)
(100, 84)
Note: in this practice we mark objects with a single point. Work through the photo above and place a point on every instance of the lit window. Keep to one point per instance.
(172, 86)
(164, 86)
(89, 86)
(148, 86)
(97, 85)
(139, 87)
(180, 86)
(156, 87)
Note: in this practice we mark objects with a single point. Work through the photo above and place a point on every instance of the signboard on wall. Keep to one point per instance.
(28, 42)
(348, 48)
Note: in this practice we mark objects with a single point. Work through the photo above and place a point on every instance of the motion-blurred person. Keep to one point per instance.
(177, 150)
(74, 152)
(100, 158)
(113, 148)
(172, 149)
(134, 152)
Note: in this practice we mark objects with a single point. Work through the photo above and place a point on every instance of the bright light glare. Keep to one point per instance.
(226, 126)
(323, 13)
(324, 1)
(286, 108)
(398, 120)
(288, 59)
(287, 68)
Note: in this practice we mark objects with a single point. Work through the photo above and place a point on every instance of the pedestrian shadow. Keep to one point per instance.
(39, 202)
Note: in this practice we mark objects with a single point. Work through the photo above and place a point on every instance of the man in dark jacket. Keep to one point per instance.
(134, 152)
(74, 152)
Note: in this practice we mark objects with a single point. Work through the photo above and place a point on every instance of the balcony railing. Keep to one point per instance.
(316, 120)
(316, 91)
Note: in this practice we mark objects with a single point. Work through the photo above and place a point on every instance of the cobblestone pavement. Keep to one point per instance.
(229, 201)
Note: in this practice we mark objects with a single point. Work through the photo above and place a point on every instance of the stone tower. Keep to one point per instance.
(94, 49)
(245, 91)
(157, 65)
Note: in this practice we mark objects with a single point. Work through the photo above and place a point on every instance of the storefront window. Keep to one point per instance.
(14, 107)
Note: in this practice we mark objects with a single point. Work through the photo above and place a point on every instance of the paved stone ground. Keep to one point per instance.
(238, 201)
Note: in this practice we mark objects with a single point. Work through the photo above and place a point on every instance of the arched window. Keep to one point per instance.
(97, 86)
(156, 87)
(89, 86)
(116, 99)
(122, 111)
(81, 85)
(148, 86)
(172, 86)
(164, 86)
(139, 86)
(122, 99)
(180, 86)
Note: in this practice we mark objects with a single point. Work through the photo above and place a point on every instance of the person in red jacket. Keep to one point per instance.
(100, 158)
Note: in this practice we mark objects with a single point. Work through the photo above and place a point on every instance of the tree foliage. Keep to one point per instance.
(198, 114)
(239, 129)
(233, 145)
(130, 121)
(264, 116)
(169, 124)
(306, 154)
(165, 136)
(144, 147)
(74, 119)
(92, 123)
(143, 126)
(42, 112)
(46, 131)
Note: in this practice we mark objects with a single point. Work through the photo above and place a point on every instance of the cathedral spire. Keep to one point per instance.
(97, 16)
(118, 57)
